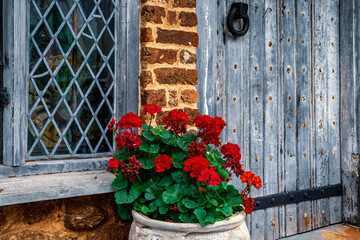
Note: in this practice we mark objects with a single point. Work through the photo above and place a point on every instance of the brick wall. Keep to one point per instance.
(168, 55)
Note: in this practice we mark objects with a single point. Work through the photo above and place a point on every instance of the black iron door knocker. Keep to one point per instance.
(238, 11)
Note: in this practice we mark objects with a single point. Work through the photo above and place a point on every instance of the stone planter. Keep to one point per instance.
(144, 228)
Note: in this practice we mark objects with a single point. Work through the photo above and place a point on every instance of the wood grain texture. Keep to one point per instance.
(349, 110)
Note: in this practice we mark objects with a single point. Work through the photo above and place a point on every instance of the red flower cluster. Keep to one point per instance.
(176, 121)
(209, 175)
(129, 121)
(209, 128)
(196, 149)
(163, 163)
(195, 165)
(174, 207)
(232, 153)
(113, 163)
(248, 203)
(131, 169)
(152, 109)
(127, 139)
(169, 220)
(111, 125)
(250, 178)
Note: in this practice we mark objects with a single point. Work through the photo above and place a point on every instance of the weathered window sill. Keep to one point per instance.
(54, 186)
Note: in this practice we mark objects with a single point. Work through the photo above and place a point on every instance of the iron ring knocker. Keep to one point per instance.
(238, 11)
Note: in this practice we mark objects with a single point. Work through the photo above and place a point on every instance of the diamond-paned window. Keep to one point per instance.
(71, 78)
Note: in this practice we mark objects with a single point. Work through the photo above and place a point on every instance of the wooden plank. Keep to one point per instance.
(288, 73)
(333, 102)
(256, 103)
(272, 101)
(206, 53)
(321, 209)
(303, 109)
(54, 186)
(50, 167)
(349, 44)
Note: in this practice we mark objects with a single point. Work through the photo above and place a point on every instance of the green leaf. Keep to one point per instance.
(227, 210)
(120, 182)
(144, 147)
(189, 189)
(182, 207)
(209, 220)
(178, 158)
(163, 209)
(177, 176)
(124, 211)
(173, 195)
(147, 163)
(187, 218)
(124, 196)
(154, 148)
(200, 214)
(145, 127)
(165, 181)
(191, 204)
(212, 201)
(159, 202)
(222, 172)
(164, 134)
(149, 194)
(148, 136)
(152, 207)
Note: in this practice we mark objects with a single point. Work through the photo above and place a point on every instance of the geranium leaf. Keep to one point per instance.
(149, 194)
(124, 196)
(227, 210)
(148, 136)
(120, 182)
(200, 214)
(173, 195)
(154, 148)
(147, 163)
(124, 210)
(144, 147)
(191, 204)
(165, 182)
(152, 207)
(163, 209)
(188, 218)
(177, 176)
(182, 207)
(222, 172)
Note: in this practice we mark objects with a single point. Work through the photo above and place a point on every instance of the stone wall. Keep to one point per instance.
(169, 39)
(83, 218)
(168, 78)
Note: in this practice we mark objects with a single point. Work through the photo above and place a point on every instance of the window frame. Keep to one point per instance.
(15, 28)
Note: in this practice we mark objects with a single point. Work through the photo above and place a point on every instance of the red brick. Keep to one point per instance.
(176, 76)
(185, 3)
(146, 35)
(187, 57)
(188, 19)
(192, 113)
(154, 96)
(171, 18)
(189, 96)
(173, 98)
(153, 14)
(155, 55)
(145, 78)
(177, 37)
(160, 116)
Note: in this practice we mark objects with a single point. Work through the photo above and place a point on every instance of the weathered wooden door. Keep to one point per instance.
(278, 89)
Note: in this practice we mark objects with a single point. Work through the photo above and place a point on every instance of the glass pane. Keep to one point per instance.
(70, 81)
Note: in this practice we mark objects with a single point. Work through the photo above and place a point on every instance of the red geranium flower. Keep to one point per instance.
(248, 203)
(196, 149)
(250, 178)
(152, 109)
(231, 151)
(210, 175)
(129, 121)
(127, 139)
(209, 128)
(163, 163)
(111, 125)
(195, 165)
(113, 163)
(176, 121)
(132, 168)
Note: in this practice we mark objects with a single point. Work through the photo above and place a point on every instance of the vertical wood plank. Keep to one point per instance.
(15, 72)
(288, 51)
(206, 53)
(349, 68)
(303, 108)
(271, 125)
(333, 102)
(256, 101)
(320, 98)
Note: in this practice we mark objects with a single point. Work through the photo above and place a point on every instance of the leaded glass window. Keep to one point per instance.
(71, 82)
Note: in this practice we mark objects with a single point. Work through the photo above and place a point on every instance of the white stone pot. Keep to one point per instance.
(144, 228)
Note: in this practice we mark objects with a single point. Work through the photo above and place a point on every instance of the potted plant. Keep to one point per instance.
(174, 183)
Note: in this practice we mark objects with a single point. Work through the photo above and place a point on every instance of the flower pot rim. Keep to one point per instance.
(224, 225)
